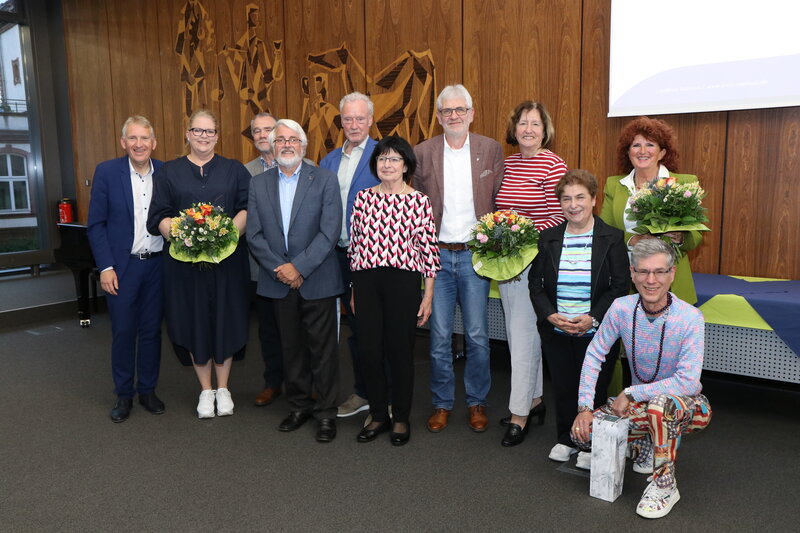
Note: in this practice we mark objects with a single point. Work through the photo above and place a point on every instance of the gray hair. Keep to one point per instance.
(263, 114)
(355, 97)
(454, 91)
(292, 125)
(139, 120)
(649, 247)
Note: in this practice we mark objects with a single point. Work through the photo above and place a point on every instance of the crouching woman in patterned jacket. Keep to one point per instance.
(664, 340)
(393, 246)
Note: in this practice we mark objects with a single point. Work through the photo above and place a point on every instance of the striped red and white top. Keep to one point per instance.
(393, 230)
(528, 188)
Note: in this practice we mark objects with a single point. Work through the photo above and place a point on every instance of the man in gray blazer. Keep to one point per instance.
(295, 217)
(461, 173)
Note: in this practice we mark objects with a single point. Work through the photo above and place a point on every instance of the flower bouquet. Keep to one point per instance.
(665, 205)
(503, 244)
(202, 233)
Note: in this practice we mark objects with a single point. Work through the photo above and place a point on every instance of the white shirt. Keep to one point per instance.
(347, 169)
(142, 186)
(458, 216)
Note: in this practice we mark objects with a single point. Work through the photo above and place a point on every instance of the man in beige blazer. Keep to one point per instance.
(461, 173)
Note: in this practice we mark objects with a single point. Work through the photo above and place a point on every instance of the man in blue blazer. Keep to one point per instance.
(130, 267)
(351, 164)
(294, 220)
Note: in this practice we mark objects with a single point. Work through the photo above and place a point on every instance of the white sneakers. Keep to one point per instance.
(584, 461)
(657, 502)
(224, 402)
(562, 452)
(205, 406)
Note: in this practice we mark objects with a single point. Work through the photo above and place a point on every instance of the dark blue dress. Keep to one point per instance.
(206, 305)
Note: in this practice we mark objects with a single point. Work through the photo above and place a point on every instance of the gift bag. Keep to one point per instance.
(609, 442)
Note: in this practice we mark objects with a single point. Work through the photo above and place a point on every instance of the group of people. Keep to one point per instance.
(377, 226)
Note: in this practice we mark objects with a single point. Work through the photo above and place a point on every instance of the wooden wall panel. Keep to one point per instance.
(701, 136)
(333, 32)
(135, 72)
(531, 50)
(762, 194)
(171, 139)
(397, 27)
(89, 73)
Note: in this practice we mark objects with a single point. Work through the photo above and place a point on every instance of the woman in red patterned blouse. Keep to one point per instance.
(392, 246)
(529, 189)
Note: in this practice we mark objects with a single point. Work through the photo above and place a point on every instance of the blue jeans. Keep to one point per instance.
(458, 283)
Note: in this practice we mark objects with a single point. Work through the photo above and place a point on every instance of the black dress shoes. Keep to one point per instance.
(121, 410)
(152, 403)
(514, 434)
(294, 421)
(537, 412)
(399, 439)
(369, 435)
(326, 430)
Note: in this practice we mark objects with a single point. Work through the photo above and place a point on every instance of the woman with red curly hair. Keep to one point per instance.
(646, 151)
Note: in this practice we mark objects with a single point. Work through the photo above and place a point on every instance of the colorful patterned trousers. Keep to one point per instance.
(656, 428)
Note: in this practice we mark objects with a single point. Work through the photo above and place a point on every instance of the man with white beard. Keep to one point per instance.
(295, 217)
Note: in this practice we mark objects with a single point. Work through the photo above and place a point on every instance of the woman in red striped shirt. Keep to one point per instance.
(528, 188)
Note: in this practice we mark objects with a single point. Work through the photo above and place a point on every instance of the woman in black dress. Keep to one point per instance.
(206, 305)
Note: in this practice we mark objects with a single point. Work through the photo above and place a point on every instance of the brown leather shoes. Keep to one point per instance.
(268, 396)
(478, 421)
(438, 420)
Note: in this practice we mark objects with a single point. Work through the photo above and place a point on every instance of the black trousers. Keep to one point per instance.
(310, 359)
(564, 355)
(387, 301)
(270, 339)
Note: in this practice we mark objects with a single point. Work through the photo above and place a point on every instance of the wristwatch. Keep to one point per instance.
(595, 323)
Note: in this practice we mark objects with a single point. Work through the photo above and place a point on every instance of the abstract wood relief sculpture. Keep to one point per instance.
(194, 45)
(403, 94)
(252, 71)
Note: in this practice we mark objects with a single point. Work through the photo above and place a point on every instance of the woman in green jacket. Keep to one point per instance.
(646, 150)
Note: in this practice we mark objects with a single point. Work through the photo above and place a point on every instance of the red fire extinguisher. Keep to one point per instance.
(65, 215)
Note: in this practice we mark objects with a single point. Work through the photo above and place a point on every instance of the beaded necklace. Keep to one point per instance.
(660, 344)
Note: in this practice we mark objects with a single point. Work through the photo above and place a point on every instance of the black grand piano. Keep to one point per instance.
(76, 254)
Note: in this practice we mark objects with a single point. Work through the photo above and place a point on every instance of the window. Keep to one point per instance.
(14, 195)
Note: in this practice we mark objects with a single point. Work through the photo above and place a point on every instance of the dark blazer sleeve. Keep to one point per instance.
(162, 202)
(617, 267)
(541, 276)
(258, 203)
(99, 212)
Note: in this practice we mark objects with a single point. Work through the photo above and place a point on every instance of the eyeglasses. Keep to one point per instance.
(294, 141)
(197, 132)
(393, 160)
(266, 130)
(460, 111)
(658, 273)
(357, 120)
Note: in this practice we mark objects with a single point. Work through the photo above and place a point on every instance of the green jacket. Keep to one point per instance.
(615, 201)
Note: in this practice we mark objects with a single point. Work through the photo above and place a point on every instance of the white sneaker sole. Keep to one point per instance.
(642, 469)
(561, 458)
(224, 413)
(663, 512)
(359, 410)
(205, 415)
